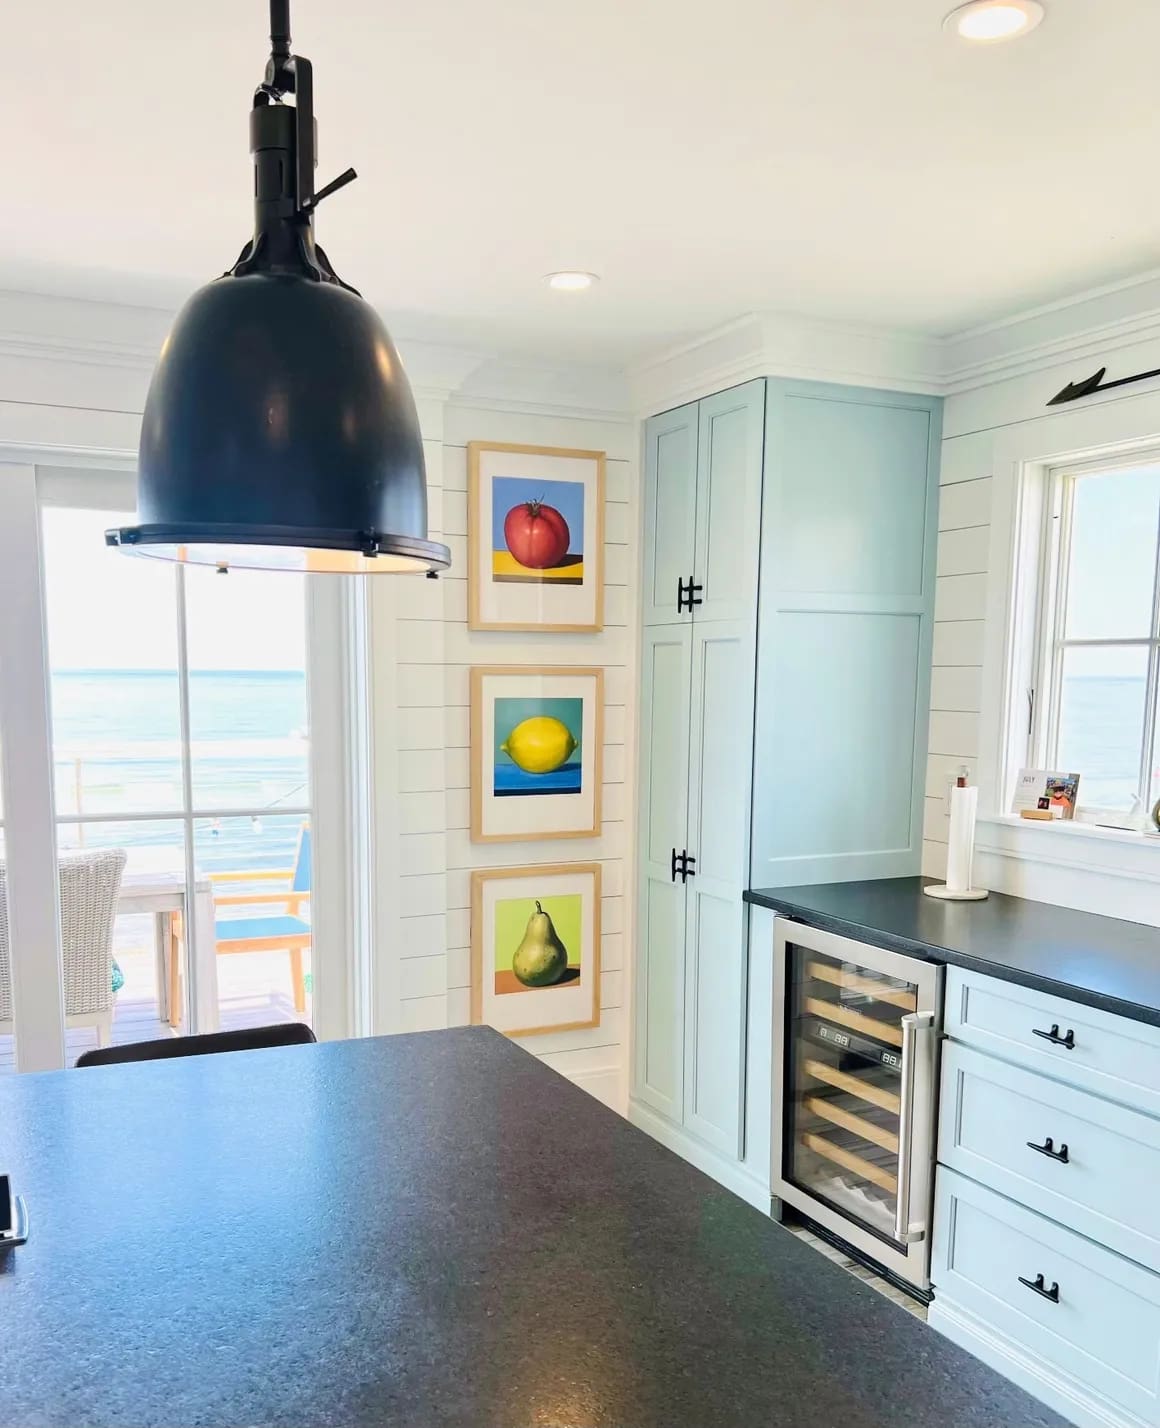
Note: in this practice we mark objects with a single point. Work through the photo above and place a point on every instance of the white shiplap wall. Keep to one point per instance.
(423, 655)
(959, 622)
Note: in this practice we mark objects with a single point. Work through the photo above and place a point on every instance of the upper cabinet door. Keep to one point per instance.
(670, 473)
(849, 537)
(729, 463)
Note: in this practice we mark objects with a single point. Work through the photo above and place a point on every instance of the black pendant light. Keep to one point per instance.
(280, 431)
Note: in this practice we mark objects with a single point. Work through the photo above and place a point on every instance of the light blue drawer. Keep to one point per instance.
(1101, 1341)
(992, 1113)
(1110, 1055)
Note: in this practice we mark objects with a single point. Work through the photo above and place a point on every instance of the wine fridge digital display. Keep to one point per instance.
(856, 1033)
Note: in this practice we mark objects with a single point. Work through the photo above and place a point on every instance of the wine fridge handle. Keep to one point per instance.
(912, 1024)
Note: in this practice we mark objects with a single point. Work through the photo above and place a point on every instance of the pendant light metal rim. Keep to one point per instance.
(432, 554)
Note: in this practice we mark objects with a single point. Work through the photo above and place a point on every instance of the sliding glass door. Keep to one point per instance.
(183, 758)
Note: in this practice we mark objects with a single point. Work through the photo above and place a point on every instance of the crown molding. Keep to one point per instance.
(787, 345)
(1092, 324)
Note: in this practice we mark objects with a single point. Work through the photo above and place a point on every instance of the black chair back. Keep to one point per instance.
(253, 1038)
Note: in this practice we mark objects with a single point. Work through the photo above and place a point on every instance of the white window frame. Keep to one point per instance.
(337, 654)
(1053, 560)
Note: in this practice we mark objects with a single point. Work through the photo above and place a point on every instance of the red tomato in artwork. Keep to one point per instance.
(537, 535)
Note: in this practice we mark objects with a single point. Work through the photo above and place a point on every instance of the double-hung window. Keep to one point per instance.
(1095, 696)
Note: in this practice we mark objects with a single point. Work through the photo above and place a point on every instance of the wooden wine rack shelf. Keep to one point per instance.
(856, 1021)
(878, 1135)
(874, 1095)
(862, 986)
(849, 1161)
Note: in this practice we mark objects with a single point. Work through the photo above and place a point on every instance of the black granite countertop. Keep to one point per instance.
(1100, 961)
(421, 1230)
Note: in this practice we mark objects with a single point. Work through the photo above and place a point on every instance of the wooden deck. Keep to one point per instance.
(253, 990)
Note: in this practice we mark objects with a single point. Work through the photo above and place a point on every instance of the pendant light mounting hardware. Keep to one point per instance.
(285, 195)
(347, 176)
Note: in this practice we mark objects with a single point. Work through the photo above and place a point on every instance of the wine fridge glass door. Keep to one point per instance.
(844, 1094)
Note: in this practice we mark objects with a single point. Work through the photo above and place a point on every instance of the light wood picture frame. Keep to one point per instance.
(535, 948)
(535, 538)
(537, 752)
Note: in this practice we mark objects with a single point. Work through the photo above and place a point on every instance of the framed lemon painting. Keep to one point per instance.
(535, 948)
(536, 737)
(535, 538)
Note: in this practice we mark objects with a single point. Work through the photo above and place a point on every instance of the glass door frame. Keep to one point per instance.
(338, 806)
(910, 1261)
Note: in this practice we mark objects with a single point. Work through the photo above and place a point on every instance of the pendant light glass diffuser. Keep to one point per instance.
(280, 431)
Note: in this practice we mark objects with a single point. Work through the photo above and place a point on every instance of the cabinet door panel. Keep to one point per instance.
(848, 545)
(729, 502)
(670, 470)
(721, 741)
(664, 756)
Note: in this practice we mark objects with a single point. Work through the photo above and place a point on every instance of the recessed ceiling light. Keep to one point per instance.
(571, 281)
(988, 22)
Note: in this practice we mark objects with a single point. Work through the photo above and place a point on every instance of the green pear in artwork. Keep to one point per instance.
(541, 959)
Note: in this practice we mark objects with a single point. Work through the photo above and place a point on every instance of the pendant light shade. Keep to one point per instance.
(279, 429)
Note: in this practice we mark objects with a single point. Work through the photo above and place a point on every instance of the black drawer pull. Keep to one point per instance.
(1054, 1037)
(1048, 1148)
(1037, 1285)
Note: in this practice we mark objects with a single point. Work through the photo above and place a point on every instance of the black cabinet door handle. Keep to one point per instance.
(1048, 1149)
(690, 869)
(688, 594)
(1036, 1285)
(673, 866)
(1054, 1037)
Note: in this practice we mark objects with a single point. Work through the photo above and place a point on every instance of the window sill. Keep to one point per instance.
(1116, 852)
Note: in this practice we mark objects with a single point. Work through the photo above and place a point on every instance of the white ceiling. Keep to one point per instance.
(838, 158)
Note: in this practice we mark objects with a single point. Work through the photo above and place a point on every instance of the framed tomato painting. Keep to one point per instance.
(535, 948)
(535, 538)
(536, 742)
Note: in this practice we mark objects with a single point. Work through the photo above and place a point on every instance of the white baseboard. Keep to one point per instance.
(1026, 1369)
(728, 1173)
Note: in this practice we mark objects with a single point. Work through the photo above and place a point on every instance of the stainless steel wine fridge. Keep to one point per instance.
(856, 1033)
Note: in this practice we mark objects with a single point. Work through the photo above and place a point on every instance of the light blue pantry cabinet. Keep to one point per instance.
(787, 596)
(703, 465)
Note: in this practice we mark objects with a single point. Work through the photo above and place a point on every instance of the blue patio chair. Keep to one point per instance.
(286, 929)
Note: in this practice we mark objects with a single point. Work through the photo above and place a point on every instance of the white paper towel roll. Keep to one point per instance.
(961, 842)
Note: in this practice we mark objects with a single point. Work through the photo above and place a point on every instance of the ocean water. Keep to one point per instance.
(116, 744)
(117, 748)
(1101, 726)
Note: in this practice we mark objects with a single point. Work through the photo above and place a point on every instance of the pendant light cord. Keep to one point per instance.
(280, 29)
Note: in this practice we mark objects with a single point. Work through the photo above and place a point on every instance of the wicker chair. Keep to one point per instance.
(89, 887)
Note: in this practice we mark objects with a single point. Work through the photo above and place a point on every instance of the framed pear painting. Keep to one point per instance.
(535, 948)
(536, 740)
(535, 538)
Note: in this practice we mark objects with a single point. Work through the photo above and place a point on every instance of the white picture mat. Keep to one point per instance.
(551, 812)
(502, 603)
(548, 1006)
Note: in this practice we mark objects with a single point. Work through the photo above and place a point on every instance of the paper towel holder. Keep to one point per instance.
(945, 894)
(960, 847)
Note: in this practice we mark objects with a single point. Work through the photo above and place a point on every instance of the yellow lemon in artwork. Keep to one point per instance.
(539, 745)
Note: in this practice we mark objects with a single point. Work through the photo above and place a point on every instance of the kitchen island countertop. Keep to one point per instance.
(422, 1230)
